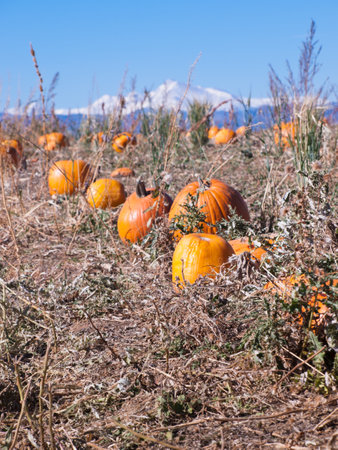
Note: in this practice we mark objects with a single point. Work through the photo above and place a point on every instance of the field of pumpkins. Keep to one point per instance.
(156, 291)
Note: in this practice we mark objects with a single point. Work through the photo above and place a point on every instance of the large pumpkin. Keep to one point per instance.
(67, 176)
(214, 200)
(199, 255)
(139, 212)
(224, 136)
(105, 193)
(11, 151)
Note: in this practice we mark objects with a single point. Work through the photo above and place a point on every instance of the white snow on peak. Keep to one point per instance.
(168, 95)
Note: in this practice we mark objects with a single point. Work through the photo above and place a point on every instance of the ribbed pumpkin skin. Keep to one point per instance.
(67, 176)
(224, 136)
(212, 131)
(105, 193)
(199, 254)
(138, 213)
(214, 200)
(123, 172)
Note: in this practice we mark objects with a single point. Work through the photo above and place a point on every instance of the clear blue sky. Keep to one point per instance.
(92, 43)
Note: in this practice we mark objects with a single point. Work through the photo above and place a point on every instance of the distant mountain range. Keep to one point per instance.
(168, 94)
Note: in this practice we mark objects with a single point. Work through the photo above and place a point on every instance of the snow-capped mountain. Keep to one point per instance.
(168, 94)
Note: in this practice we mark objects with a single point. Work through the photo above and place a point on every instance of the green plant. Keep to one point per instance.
(197, 111)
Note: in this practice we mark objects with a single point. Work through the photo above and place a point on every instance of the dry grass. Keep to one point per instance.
(99, 351)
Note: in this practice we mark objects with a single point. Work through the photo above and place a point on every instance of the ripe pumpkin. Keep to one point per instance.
(214, 200)
(224, 136)
(52, 141)
(105, 193)
(242, 245)
(199, 254)
(284, 287)
(241, 131)
(121, 141)
(67, 176)
(11, 151)
(284, 135)
(139, 212)
(213, 131)
(123, 172)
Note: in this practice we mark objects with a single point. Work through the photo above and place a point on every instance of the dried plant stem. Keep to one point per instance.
(22, 412)
(115, 423)
(41, 89)
(42, 388)
(300, 365)
(50, 418)
(7, 212)
(20, 389)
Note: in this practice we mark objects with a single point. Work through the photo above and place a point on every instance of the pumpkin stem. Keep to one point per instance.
(203, 184)
(141, 190)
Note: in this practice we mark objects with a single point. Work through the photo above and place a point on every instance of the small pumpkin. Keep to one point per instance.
(121, 141)
(214, 200)
(213, 131)
(224, 136)
(241, 131)
(52, 141)
(11, 151)
(105, 193)
(122, 172)
(242, 245)
(284, 135)
(139, 212)
(68, 176)
(284, 287)
(199, 255)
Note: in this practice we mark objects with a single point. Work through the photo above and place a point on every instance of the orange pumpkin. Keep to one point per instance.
(224, 136)
(52, 141)
(123, 172)
(241, 131)
(106, 193)
(284, 287)
(242, 245)
(11, 151)
(199, 255)
(284, 135)
(214, 200)
(139, 212)
(213, 131)
(67, 176)
(121, 141)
